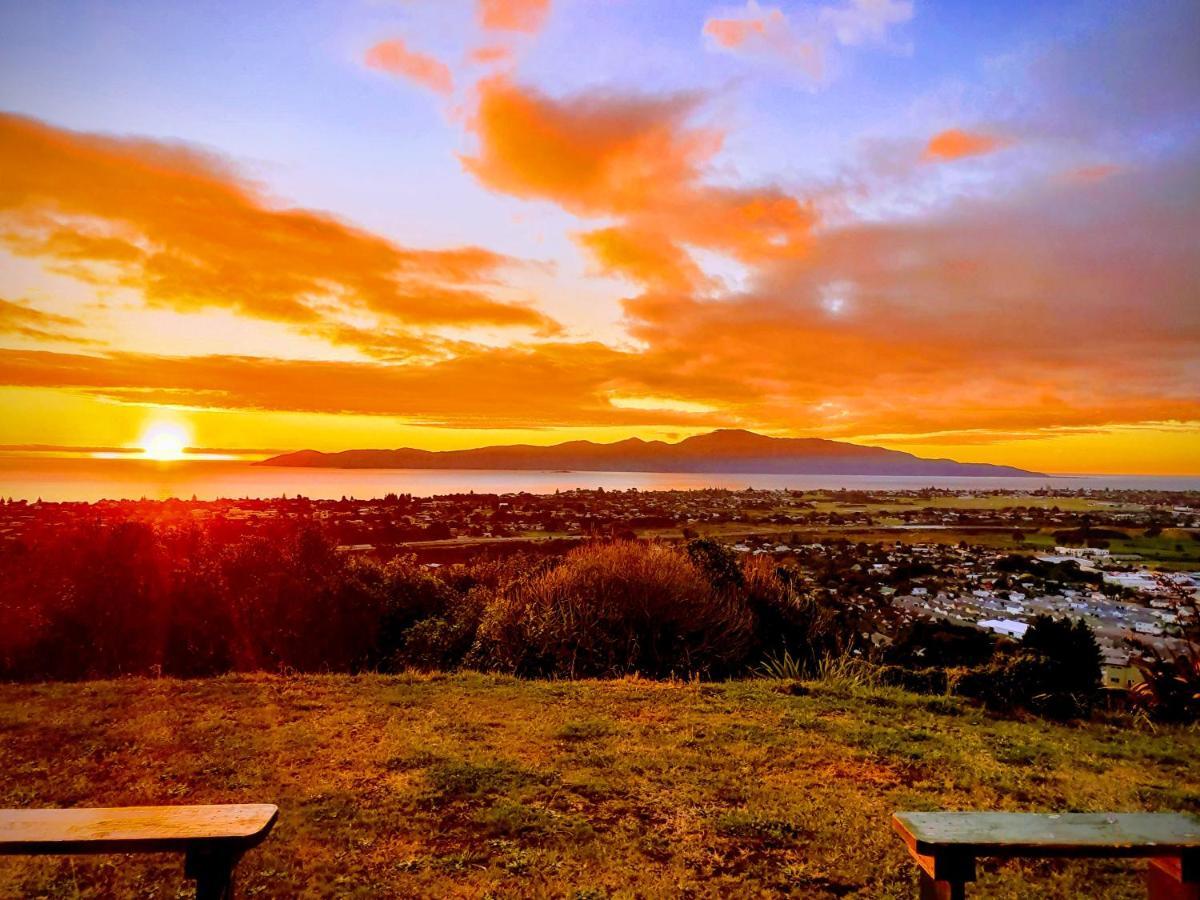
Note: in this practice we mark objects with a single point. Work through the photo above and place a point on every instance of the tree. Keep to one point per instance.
(1073, 655)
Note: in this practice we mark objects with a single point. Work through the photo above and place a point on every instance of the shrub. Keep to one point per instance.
(614, 609)
(1170, 691)
(717, 562)
(443, 641)
(1020, 681)
(925, 643)
(1072, 651)
(919, 681)
(787, 623)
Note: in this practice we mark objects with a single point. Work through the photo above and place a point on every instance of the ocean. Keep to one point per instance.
(88, 479)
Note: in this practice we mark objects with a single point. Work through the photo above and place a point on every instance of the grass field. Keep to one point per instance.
(480, 786)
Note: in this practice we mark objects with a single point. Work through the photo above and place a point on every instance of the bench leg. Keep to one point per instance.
(941, 890)
(1165, 879)
(213, 871)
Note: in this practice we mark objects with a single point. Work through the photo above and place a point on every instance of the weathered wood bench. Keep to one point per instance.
(946, 844)
(212, 838)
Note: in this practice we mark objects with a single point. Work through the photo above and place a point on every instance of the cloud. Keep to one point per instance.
(639, 159)
(808, 40)
(492, 54)
(511, 387)
(954, 143)
(393, 57)
(1056, 303)
(25, 321)
(866, 21)
(1060, 305)
(646, 257)
(767, 33)
(182, 228)
(591, 153)
(513, 15)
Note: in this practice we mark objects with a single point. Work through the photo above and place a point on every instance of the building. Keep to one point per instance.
(1006, 627)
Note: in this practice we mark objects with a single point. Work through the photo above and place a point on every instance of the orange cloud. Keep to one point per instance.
(511, 387)
(645, 257)
(734, 33)
(953, 143)
(26, 321)
(637, 158)
(490, 54)
(769, 34)
(513, 15)
(591, 153)
(1050, 308)
(180, 227)
(811, 41)
(395, 58)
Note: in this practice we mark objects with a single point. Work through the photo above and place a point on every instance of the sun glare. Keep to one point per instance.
(164, 441)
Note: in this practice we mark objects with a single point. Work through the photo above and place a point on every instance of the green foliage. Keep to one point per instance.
(1055, 672)
(188, 600)
(1170, 690)
(783, 666)
(1021, 681)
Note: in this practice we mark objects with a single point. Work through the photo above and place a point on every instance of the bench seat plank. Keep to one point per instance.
(134, 829)
(1035, 834)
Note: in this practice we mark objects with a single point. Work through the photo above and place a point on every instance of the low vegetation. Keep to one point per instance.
(192, 601)
(188, 601)
(469, 785)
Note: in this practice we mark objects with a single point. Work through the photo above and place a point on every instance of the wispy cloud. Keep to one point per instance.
(394, 57)
(806, 40)
(27, 321)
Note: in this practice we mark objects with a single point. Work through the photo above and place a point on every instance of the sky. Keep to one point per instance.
(960, 229)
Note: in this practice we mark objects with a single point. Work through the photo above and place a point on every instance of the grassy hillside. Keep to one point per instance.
(477, 786)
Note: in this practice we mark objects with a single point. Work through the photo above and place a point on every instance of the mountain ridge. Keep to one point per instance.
(724, 451)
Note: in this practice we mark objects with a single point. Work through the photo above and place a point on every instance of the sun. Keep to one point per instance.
(164, 441)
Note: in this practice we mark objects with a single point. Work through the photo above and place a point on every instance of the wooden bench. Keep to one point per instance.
(946, 844)
(212, 838)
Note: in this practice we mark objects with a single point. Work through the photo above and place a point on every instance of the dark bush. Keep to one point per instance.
(1020, 681)
(919, 681)
(938, 643)
(787, 622)
(1071, 649)
(615, 609)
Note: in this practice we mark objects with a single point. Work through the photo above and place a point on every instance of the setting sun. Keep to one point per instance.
(164, 441)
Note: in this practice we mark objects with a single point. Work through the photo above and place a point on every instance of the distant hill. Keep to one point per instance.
(726, 451)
